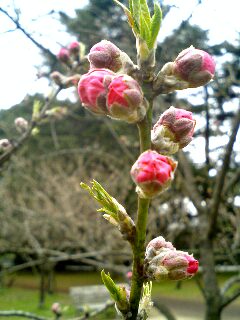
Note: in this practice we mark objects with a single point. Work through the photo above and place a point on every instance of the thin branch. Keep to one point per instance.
(229, 283)
(227, 300)
(16, 146)
(18, 313)
(222, 175)
(96, 312)
(189, 181)
(28, 35)
(164, 310)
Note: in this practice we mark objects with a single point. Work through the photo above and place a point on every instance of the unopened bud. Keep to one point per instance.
(64, 57)
(173, 131)
(195, 66)
(93, 89)
(165, 262)
(57, 113)
(153, 173)
(56, 308)
(125, 99)
(21, 124)
(5, 145)
(74, 48)
(106, 55)
(63, 81)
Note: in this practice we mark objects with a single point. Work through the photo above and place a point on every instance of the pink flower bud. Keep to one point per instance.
(74, 48)
(195, 66)
(21, 124)
(165, 262)
(5, 145)
(63, 55)
(125, 99)
(153, 173)
(173, 131)
(56, 308)
(93, 89)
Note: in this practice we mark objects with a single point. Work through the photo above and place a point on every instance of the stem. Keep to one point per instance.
(138, 246)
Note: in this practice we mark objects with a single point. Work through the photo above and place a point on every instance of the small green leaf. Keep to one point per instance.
(127, 13)
(155, 24)
(145, 12)
(136, 12)
(113, 289)
(36, 109)
(144, 29)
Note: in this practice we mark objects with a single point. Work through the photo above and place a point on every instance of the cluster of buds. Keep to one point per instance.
(63, 81)
(191, 69)
(103, 91)
(163, 261)
(21, 124)
(173, 131)
(5, 145)
(70, 54)
(152, 173)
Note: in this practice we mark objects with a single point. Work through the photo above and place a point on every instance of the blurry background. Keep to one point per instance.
(51, 234)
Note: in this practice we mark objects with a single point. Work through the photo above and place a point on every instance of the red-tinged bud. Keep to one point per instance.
(5, 145)
(194, 66)
(63, 55)
(153, 173)
(74, 48)
(93, 89)
(173, 131)
(106, 55)
(65, 82)
(21, 124)
(125, 99)
(165, 262)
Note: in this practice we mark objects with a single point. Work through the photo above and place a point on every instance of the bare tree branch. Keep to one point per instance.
(28, 35)
(22, 314)
(222, 175)
(6, 155)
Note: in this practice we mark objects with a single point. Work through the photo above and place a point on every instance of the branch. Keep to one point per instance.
(6, 156)
(189, 181)
(23, 314)
(227, 300)
(164, 310)
(28, 35)
(222, 175)
(96, 312)
(229, 283)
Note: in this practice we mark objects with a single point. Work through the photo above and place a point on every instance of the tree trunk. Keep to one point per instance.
(42, 287)
(211, 289)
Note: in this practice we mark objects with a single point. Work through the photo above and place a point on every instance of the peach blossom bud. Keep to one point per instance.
(125, 99)
(153, 173)
(129, 275)
(93, 89)
(195, 66)
(21, 124)
(74, 48)
(56, 308)
(5, 145)
(173, 131)
(63, 55)
(163, 261)
(105, 55)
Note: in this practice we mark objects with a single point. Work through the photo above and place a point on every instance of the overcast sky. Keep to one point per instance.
(19, 57)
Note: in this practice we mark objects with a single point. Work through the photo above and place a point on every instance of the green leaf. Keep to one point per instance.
(144, 29)
(155, 24)
(145, 12)
(36, 109)
(127, 13)
(113, 289)
(136, 12)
